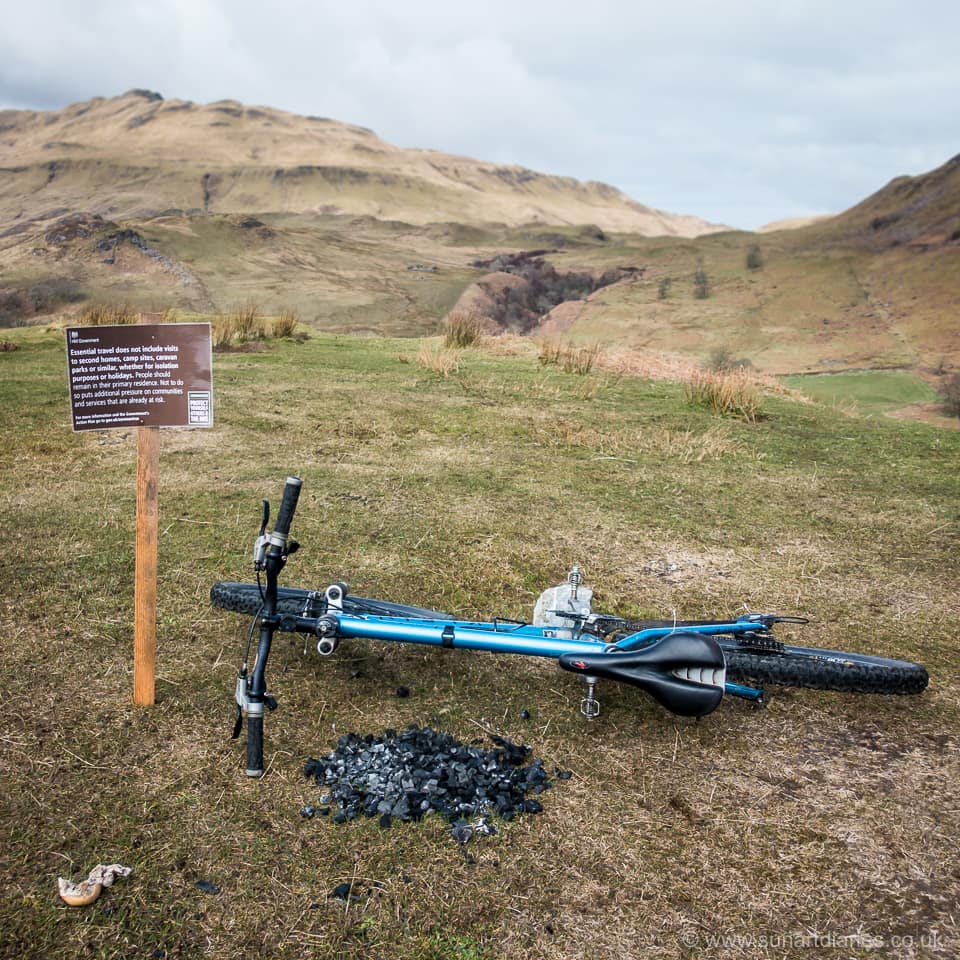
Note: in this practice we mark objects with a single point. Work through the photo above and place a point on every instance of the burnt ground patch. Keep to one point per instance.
(519, 307)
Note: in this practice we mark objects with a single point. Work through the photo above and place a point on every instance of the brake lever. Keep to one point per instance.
(570, 615)
(262, 541)
(237, 723)
(239, 699)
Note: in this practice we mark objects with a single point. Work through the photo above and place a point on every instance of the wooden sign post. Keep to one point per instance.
(145, 576)
(146, 376)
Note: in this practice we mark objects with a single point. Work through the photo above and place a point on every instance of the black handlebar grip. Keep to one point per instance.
(291, 494)
(255, 746)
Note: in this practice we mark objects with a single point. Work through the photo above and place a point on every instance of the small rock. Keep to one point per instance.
(344, 891)
(207, 887)
(461, 831)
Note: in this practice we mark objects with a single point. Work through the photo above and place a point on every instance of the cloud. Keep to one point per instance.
(741, 112)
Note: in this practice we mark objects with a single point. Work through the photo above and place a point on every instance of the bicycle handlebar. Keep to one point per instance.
(255, 744)
(270, 554)
(291, 494)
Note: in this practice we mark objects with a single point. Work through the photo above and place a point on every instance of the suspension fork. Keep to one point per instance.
(270, 555)
(256, 696)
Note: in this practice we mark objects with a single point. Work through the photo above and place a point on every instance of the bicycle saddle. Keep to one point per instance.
(684, 672)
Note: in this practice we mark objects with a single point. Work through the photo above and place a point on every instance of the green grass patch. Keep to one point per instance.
(872, 391)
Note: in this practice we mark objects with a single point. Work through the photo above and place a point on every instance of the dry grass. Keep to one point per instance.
(659, 365)
(684, 446)
(441, 360)
(247, 325)
(101, 315)
(464, 329)
(729, 394)
(571, 358)
(648, 364)
(221, 332)
(285, 326)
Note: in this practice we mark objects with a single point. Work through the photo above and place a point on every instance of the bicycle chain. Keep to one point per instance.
(614, 629)
(758, 643)
(611, 629)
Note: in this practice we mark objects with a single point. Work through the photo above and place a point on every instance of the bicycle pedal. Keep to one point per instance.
(590, 708)
(590, 705)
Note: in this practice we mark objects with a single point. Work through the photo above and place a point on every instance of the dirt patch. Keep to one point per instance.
(252, 346)
(931, 413)
(561, 318)
(680, 566)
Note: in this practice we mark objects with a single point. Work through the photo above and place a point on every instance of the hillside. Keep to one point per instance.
(137, 155)
(921, 212)
(160, 204)
(874, 286)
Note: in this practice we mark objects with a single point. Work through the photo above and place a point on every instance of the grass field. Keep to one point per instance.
(823, 825)
(868, 391)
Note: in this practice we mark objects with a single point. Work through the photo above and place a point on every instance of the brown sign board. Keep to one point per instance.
(140, 375)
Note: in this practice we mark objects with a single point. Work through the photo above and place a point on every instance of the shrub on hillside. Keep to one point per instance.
(722, 360)
(951, 395)
(103, 315)
(285, 326)
(570, 358)
(463, 329)
(701, 283)
(729, 394)
(441, 360)
(248, 324)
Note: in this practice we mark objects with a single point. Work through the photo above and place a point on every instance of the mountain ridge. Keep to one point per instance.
(138, 154)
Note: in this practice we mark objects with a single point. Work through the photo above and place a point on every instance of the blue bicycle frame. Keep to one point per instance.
(504, 636)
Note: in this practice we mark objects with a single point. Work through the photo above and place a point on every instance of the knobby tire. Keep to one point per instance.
(824, 670)
(245, 598)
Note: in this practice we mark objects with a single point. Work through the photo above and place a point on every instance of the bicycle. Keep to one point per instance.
(685, 665)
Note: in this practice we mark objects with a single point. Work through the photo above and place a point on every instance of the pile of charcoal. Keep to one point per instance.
(407, 775)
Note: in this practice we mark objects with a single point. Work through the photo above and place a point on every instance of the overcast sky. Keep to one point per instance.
(739, 111)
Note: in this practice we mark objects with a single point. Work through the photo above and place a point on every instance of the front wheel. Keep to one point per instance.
(824, 670)
(292, 601)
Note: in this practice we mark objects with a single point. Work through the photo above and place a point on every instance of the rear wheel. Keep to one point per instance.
(824, 670)
(246, 598)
